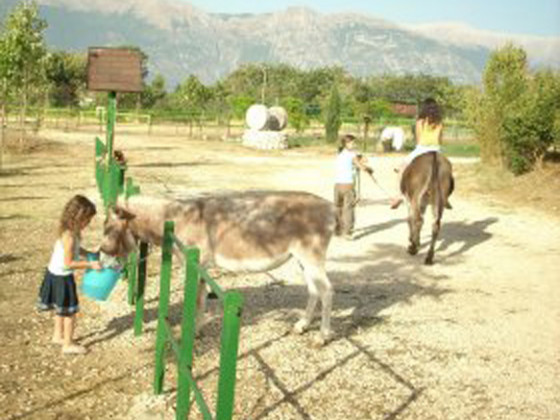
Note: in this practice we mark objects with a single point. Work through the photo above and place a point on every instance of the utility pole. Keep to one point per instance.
(263, 89)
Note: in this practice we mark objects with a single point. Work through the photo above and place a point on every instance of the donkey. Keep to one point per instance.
(428, 179)
(240, 232)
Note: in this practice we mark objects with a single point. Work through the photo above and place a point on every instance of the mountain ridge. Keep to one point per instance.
(181, 39)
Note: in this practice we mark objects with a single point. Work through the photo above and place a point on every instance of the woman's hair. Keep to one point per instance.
(344, 140)
(76, 211)
(430, 112)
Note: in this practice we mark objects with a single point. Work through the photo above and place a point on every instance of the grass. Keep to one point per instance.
(538, 189)
(461, 149)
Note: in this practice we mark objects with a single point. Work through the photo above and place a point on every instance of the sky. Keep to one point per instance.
(534, 17)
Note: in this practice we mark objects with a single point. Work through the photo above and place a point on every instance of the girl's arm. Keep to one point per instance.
(359, 162)
(69, 261)
(418, 131)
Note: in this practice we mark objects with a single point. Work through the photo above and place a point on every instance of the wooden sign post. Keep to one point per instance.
(112, 70)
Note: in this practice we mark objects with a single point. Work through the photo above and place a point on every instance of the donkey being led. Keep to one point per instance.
(428, 179)
(240, 232)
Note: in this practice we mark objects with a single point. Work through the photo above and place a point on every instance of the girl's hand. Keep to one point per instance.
(95, 265)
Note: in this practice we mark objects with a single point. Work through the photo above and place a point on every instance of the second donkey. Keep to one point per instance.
(241, 232)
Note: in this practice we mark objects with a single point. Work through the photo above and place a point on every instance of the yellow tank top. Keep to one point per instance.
(428, 135)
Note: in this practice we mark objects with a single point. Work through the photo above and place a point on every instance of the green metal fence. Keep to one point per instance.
(110, 178)
(183, 348)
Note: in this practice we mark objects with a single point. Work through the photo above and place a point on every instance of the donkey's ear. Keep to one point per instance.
(123, 214)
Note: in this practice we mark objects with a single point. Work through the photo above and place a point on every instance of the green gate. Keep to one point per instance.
(183, 349)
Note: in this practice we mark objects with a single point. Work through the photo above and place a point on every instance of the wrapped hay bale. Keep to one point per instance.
(277, 119)
(257, 117)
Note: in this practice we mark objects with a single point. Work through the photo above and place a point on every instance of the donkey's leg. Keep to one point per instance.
(201, 296)
(435, 232)
(326, 293)
(319, 287)
(436, 211)
(303, 324)
(415, 225)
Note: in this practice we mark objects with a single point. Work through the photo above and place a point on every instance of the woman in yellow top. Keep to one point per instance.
(429, 128)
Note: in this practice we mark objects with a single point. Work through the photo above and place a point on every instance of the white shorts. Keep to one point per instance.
(420, 150)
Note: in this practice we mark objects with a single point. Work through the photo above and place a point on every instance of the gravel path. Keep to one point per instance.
(475, 336)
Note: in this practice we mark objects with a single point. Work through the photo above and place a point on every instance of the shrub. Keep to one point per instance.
(333, 120)
(515, 116)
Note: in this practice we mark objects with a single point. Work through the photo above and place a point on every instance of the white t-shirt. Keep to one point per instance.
(56, 264)
(395, 134)
(344, 168)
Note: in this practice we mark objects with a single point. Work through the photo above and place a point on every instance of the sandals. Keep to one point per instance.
(74, 349)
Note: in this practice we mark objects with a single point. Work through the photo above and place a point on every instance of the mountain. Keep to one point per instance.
(181, 39)
(543, 51)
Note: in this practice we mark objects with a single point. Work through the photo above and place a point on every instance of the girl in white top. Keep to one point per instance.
(58, 289)
(344, 192)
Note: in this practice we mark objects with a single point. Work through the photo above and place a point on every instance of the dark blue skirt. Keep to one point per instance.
(58, 293)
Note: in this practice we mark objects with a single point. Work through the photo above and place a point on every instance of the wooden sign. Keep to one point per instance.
(114, 69)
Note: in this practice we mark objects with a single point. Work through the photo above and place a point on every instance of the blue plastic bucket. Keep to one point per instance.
(98, 284)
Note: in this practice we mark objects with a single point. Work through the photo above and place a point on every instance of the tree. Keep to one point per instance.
(246, 81)
(514, 116)
(297, 117)
(25, 53)
(154, 94)
(3, 95)
(529, 129)
(219, 103)
(239, 105)
(66, 75)
(193, 95)
(332, 115)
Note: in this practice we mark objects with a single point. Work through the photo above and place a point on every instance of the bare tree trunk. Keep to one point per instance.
(2, 119)
(23, 113)
(138, 107)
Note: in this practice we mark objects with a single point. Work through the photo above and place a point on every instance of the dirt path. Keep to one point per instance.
(476, 336)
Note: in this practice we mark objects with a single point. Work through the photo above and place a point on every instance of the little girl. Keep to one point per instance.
(344, 190)
(58, 289)
(429, 128)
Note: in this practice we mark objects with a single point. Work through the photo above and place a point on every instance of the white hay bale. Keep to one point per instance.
(257, 117)
(278, 118)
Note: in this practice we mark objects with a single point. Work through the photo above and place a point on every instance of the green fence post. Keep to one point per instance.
(112, 171)
(131, 269)
(111, 117)
(100, 151)
(233, 303)
(142, 264)
(192, 257)
(164, 289)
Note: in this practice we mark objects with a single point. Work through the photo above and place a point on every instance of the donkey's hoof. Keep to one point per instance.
(429, 261)
(301, 326)
(319, 341)
(412, 250)
(325, 338)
